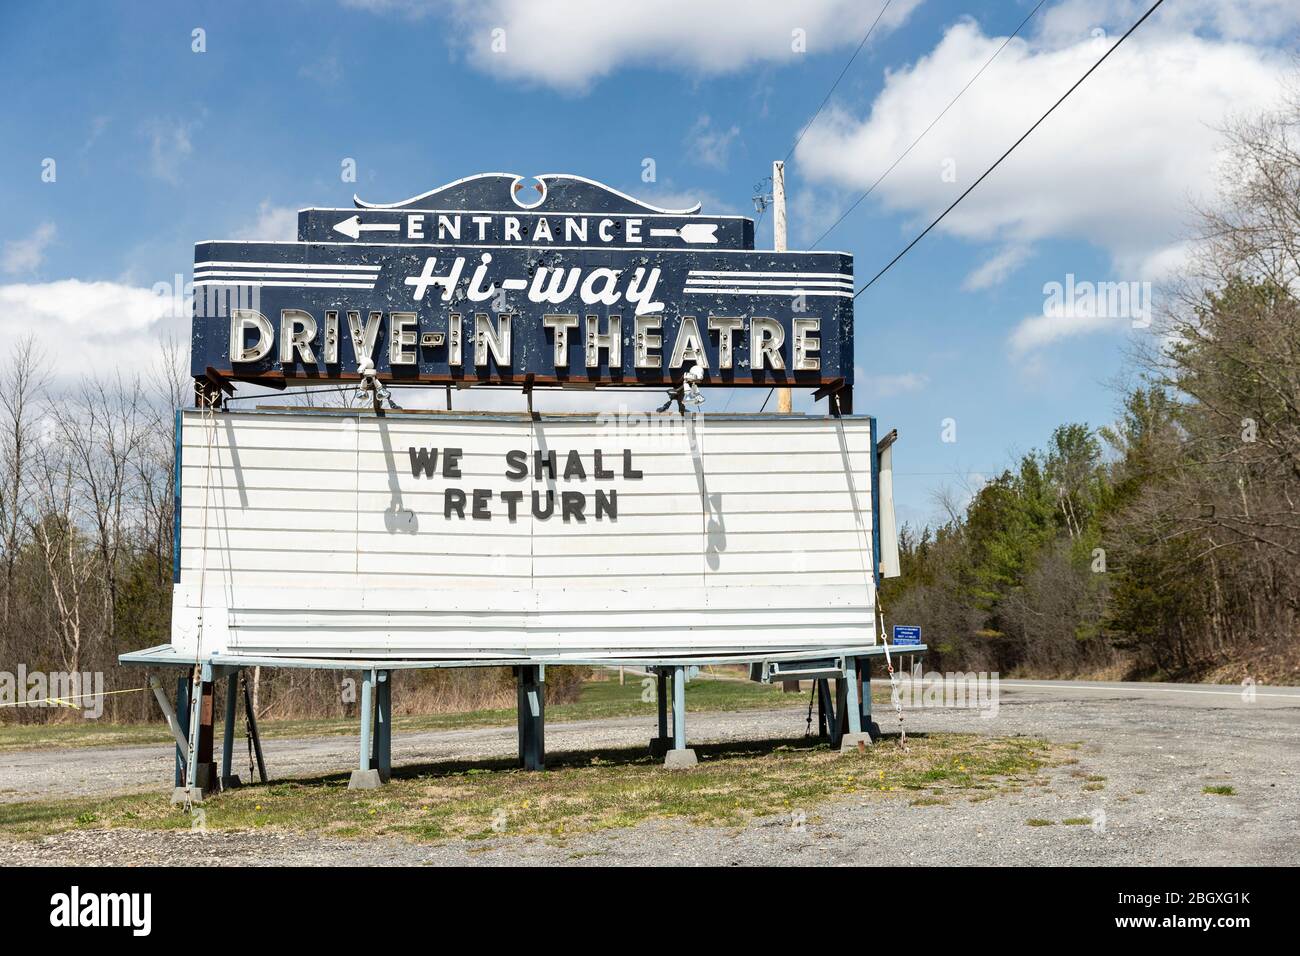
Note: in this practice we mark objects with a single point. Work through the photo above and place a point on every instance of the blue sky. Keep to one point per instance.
(157, 146)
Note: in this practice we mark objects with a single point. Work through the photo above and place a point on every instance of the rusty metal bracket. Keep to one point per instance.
(830, 388)
(528, 395)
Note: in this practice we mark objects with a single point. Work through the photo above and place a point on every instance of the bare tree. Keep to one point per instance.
(21, 384)
(53, 526)
(101, 427)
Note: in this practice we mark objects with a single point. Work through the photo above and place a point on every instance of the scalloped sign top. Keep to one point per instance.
(552, 192)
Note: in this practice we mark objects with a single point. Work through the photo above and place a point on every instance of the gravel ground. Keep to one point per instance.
(1155, 750)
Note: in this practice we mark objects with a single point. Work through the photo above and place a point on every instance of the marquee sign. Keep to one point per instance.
(489, 279)
(435, 535)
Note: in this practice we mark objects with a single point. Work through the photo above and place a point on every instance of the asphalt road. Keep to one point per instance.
(1156, 745)
(1208, 695)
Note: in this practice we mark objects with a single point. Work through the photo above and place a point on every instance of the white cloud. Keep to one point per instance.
(169, 146)
(1077, 307)
(996, 268)
(97, 127)
(1250, 20)
(1117, 165)
(568, 45)
(26, 255)
(1037, 331)
(325, 70)
(272, 223)
(84, 327)
(709, 146)
(888, 385)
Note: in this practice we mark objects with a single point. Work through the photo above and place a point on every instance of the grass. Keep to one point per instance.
(1039, 822)
(1219, 791)
(598, 700)
(580, 792)
(1077, 821)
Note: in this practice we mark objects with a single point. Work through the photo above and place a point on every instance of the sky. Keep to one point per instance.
(132, 130)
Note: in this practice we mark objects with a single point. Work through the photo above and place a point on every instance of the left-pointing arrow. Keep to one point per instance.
(353, 227)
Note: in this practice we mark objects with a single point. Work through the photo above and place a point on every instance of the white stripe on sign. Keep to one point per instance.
(812, 283)
(782, 292)
(300, 285)
(287, 265)
(771, 275)
(217, 273)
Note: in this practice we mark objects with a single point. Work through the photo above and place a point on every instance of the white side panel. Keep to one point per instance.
(312, 534)
(889, 566)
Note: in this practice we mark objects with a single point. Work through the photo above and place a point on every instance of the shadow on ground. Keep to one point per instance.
(577, 759)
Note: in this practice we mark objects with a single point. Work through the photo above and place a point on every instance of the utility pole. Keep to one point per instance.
(783, 398)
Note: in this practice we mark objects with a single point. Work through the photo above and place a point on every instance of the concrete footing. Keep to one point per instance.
(855, 743)
(680, 759)
(365, 780)
(659, 746)
(231, 782)
(205, 784)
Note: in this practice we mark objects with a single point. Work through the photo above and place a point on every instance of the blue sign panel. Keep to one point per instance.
(583, 285)
(907, 635)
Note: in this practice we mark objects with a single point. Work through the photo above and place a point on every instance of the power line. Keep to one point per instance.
(1077, 83)
(903, 155)
(807, 126)
(827, 97)
(762, 210)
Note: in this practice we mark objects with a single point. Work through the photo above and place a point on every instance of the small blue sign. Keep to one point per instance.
(907, 635)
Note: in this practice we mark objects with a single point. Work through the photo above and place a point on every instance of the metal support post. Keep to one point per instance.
(383, 733)
(822, 732)
(869, 725)
(661, 693)
(680, 756)
(853, 708)
(661, 744)
(531, 703)
(855, 739)
(206, 766)
(200, 770)
(831, 716)
(229, 778)
(251, 717)
(183, 719)
(841, 709)
(365, 778)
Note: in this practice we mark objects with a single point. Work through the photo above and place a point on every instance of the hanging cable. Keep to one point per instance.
(761, 199)
(826, 99)
(903, 154)
(1077, 83)
(895, 694)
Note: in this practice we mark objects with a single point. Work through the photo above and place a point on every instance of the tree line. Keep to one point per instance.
(1167, 543)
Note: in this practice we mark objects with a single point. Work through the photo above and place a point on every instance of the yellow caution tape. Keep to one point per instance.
(65, 701)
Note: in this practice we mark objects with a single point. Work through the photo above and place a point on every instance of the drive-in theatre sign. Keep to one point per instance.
(379, 539)
(466, 283)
